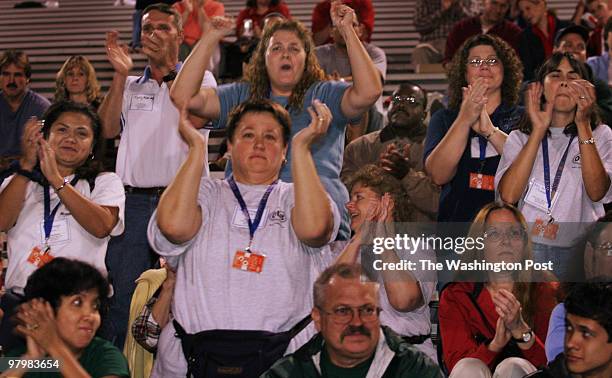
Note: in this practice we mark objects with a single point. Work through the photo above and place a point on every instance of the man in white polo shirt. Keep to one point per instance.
(150, 151)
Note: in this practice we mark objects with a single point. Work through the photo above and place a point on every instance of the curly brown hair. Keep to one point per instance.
(92, 88)
(378, 180)
(513, 70)
(256, 73)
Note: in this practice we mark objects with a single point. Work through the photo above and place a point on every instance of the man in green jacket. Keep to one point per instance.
(351, 341)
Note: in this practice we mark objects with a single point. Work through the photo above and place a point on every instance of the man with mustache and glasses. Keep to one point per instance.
(588, 337)
(351, 341)
(17, 102)
(398, 149)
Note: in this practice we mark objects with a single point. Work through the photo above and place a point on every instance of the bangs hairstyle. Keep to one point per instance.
(260, 106)
(92, 87)
(92, 166)
(592, 301)
(549, 66)
(378, 180)
(256, 73)
(525, 290)
(63, 277)
(513, 70)
(18, 58)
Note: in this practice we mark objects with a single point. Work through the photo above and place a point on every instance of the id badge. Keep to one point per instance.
(248, 261)
(482, 182)
(60, 232)
(536, 196)
(38, 257)
(142, 102)
(544, 229)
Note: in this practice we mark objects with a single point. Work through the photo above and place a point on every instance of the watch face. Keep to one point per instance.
(526, 337)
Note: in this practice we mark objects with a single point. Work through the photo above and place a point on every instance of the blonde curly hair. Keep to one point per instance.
(92, 87)
(256, 73)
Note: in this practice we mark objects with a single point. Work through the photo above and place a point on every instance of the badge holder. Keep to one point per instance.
(478, 180)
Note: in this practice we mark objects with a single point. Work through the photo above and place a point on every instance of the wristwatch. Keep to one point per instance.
(525, 337)
(169, 77)
(66, 181)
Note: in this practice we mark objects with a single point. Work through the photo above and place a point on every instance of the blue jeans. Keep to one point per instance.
(136, 27)
(127, 257)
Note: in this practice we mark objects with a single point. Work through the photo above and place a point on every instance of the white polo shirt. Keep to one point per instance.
(151, 149)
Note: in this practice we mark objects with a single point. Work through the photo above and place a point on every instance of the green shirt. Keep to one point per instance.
(329, 370)
(99, 359)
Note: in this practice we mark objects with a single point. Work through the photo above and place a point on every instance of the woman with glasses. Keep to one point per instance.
(557, 166)
(494, 321)
(284, 68)
(464, 143)
(377, 200)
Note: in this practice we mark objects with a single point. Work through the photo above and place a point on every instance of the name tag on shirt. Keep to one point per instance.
(536, 196)
(142, 102)
(475, 149)
(240, 221)
(60, 233)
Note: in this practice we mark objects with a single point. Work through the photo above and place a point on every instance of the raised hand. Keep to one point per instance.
(37, 321)
(502, 336)
(484, 126)
(583, 93)
(540, 119)
(342, 16)
(29, 144)
(474, 100)
(117, 54)
(188, 132)
(509, 308)
(48, 164)
(217, 27)
(321, 118)
(396, 160)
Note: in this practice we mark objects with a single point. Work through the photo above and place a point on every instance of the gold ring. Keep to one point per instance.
(32, 327)
(582, 97)
(321, 119)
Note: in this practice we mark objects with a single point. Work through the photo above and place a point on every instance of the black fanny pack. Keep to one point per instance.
(233, 353)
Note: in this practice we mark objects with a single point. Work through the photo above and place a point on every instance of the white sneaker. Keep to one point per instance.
(51, 4)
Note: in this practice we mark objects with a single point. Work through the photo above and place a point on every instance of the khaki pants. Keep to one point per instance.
(512, 367)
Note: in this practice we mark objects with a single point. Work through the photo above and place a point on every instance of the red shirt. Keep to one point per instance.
(258, 19)
(363, 8)
(547, 41)
(191, 27)
(460, 322)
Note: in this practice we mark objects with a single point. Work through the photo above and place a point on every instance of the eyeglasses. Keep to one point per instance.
(345, 314)
(605, 248)
(409, 99)
(489, 62)
(496, 235)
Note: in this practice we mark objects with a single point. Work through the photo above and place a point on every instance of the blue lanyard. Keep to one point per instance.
(482, 142)
(49, 214)
(558, 174)
(262, 205)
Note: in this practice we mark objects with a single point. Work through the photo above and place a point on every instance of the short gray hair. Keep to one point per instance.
(344, 270)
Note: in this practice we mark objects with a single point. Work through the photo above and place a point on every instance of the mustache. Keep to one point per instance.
(355, 330)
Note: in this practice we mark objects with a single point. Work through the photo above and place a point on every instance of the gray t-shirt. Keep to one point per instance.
(571, 202)
(210, 294)
(333, 59)
(13, 124)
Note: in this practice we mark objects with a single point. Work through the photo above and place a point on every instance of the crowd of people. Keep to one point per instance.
(135, 262)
